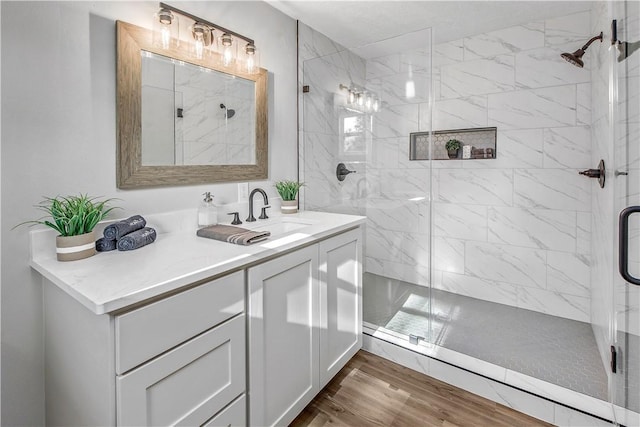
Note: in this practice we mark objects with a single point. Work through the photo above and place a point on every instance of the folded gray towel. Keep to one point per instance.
(118, 229)
(104, 245)
(137, 239)
(231, 234)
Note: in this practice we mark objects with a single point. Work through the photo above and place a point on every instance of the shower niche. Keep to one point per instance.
(473, 144)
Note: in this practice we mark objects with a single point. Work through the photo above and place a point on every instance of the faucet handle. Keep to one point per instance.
(236, 218)
(263, 214)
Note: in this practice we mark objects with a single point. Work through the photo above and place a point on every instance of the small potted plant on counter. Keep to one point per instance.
(288, 190)
(452, 146)
(74, 218)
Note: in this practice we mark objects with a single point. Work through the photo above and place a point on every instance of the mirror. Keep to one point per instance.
(186, 121)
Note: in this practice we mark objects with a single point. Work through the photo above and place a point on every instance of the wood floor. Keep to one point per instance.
(372, 391)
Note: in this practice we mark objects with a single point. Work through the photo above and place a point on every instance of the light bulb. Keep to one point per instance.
(352, 96)
(201, 38)
(227, 49)
(165, 34)
(199, 46)
(360, 99)
(368, 102)
(376, 104)
(251, 59)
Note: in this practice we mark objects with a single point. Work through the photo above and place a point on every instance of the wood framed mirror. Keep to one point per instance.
(183, 120)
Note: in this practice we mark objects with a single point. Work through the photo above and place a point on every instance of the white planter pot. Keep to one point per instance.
(289, 206)
(72, 248)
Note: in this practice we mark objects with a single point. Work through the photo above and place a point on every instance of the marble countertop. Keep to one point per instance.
(113, 280)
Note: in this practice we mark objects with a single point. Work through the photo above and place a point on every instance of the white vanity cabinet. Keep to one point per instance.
(304, 325)
(178, 360)
(191, 331)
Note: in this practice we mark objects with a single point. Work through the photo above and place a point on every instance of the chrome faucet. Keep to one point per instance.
(263, 215)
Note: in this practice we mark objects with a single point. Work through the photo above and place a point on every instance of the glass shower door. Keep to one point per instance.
(359, 106)
(625, 115)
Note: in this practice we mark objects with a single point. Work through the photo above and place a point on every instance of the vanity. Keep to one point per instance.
(193, 331)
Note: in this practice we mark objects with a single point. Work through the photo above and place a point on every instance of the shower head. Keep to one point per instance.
(229, 112)
(575, 58)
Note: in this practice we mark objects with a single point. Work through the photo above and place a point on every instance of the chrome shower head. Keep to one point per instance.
(229, 112)
(575, 58)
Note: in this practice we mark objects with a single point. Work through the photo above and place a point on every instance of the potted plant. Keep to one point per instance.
(288, 190)
(74, 218)
(452, 146)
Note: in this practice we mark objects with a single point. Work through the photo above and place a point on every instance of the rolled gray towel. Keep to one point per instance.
(118, 229)
(104, 245)
(137, 239)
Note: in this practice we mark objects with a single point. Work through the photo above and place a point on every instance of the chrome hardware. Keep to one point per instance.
(414, 339)
(619, 173)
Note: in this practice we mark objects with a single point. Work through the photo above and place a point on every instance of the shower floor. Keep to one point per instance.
(550, 348)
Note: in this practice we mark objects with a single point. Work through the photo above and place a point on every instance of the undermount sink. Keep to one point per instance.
(281, 225)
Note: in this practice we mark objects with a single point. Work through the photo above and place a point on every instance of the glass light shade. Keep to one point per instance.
(228, 50)
(376, 104)
(351, 98)
(360, 99)
(166, 29)
(202, 37)
(368, 102)
(251, 59)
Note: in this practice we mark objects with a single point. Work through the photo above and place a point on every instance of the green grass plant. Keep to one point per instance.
(288, 190)
(72, 215)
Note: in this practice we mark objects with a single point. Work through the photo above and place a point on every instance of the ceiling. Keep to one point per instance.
(358, 23)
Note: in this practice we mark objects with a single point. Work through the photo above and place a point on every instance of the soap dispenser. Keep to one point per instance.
(207, 211)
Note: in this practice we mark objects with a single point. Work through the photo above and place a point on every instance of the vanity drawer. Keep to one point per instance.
(234, 415)
(188, 384)
(149, 331)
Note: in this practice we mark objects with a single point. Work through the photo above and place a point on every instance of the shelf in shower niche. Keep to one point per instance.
(482, 143)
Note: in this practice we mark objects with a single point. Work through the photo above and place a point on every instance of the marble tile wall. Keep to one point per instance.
(514, 230)
(323, 65)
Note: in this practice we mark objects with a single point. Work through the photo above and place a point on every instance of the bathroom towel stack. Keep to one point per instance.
(231, 234)
(126, 235)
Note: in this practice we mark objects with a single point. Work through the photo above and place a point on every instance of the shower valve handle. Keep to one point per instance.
(599, 173)
(591, 173)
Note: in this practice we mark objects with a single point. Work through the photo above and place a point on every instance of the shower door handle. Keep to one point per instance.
(623, 241)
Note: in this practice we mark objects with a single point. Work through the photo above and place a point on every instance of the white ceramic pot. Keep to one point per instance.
(289, 206)
(72, 248)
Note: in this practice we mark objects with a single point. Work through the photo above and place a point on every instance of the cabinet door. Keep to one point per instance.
(283, 341)
(340, 302)
(188, 384)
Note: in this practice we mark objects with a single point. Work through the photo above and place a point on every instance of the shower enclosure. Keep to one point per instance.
(506, 266)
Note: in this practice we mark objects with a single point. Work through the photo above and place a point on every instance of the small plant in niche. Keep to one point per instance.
(452, 146)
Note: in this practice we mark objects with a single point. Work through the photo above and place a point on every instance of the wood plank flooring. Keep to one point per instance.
(372, 391)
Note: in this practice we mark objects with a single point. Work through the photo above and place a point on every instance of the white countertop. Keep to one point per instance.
(113, 280)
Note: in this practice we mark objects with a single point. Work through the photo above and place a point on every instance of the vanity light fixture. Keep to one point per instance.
(204, 35)
(361, 99)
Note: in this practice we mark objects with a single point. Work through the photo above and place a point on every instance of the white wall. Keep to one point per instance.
(59, 137)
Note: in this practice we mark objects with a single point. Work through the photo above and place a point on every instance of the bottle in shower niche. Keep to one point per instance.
(207, 211)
